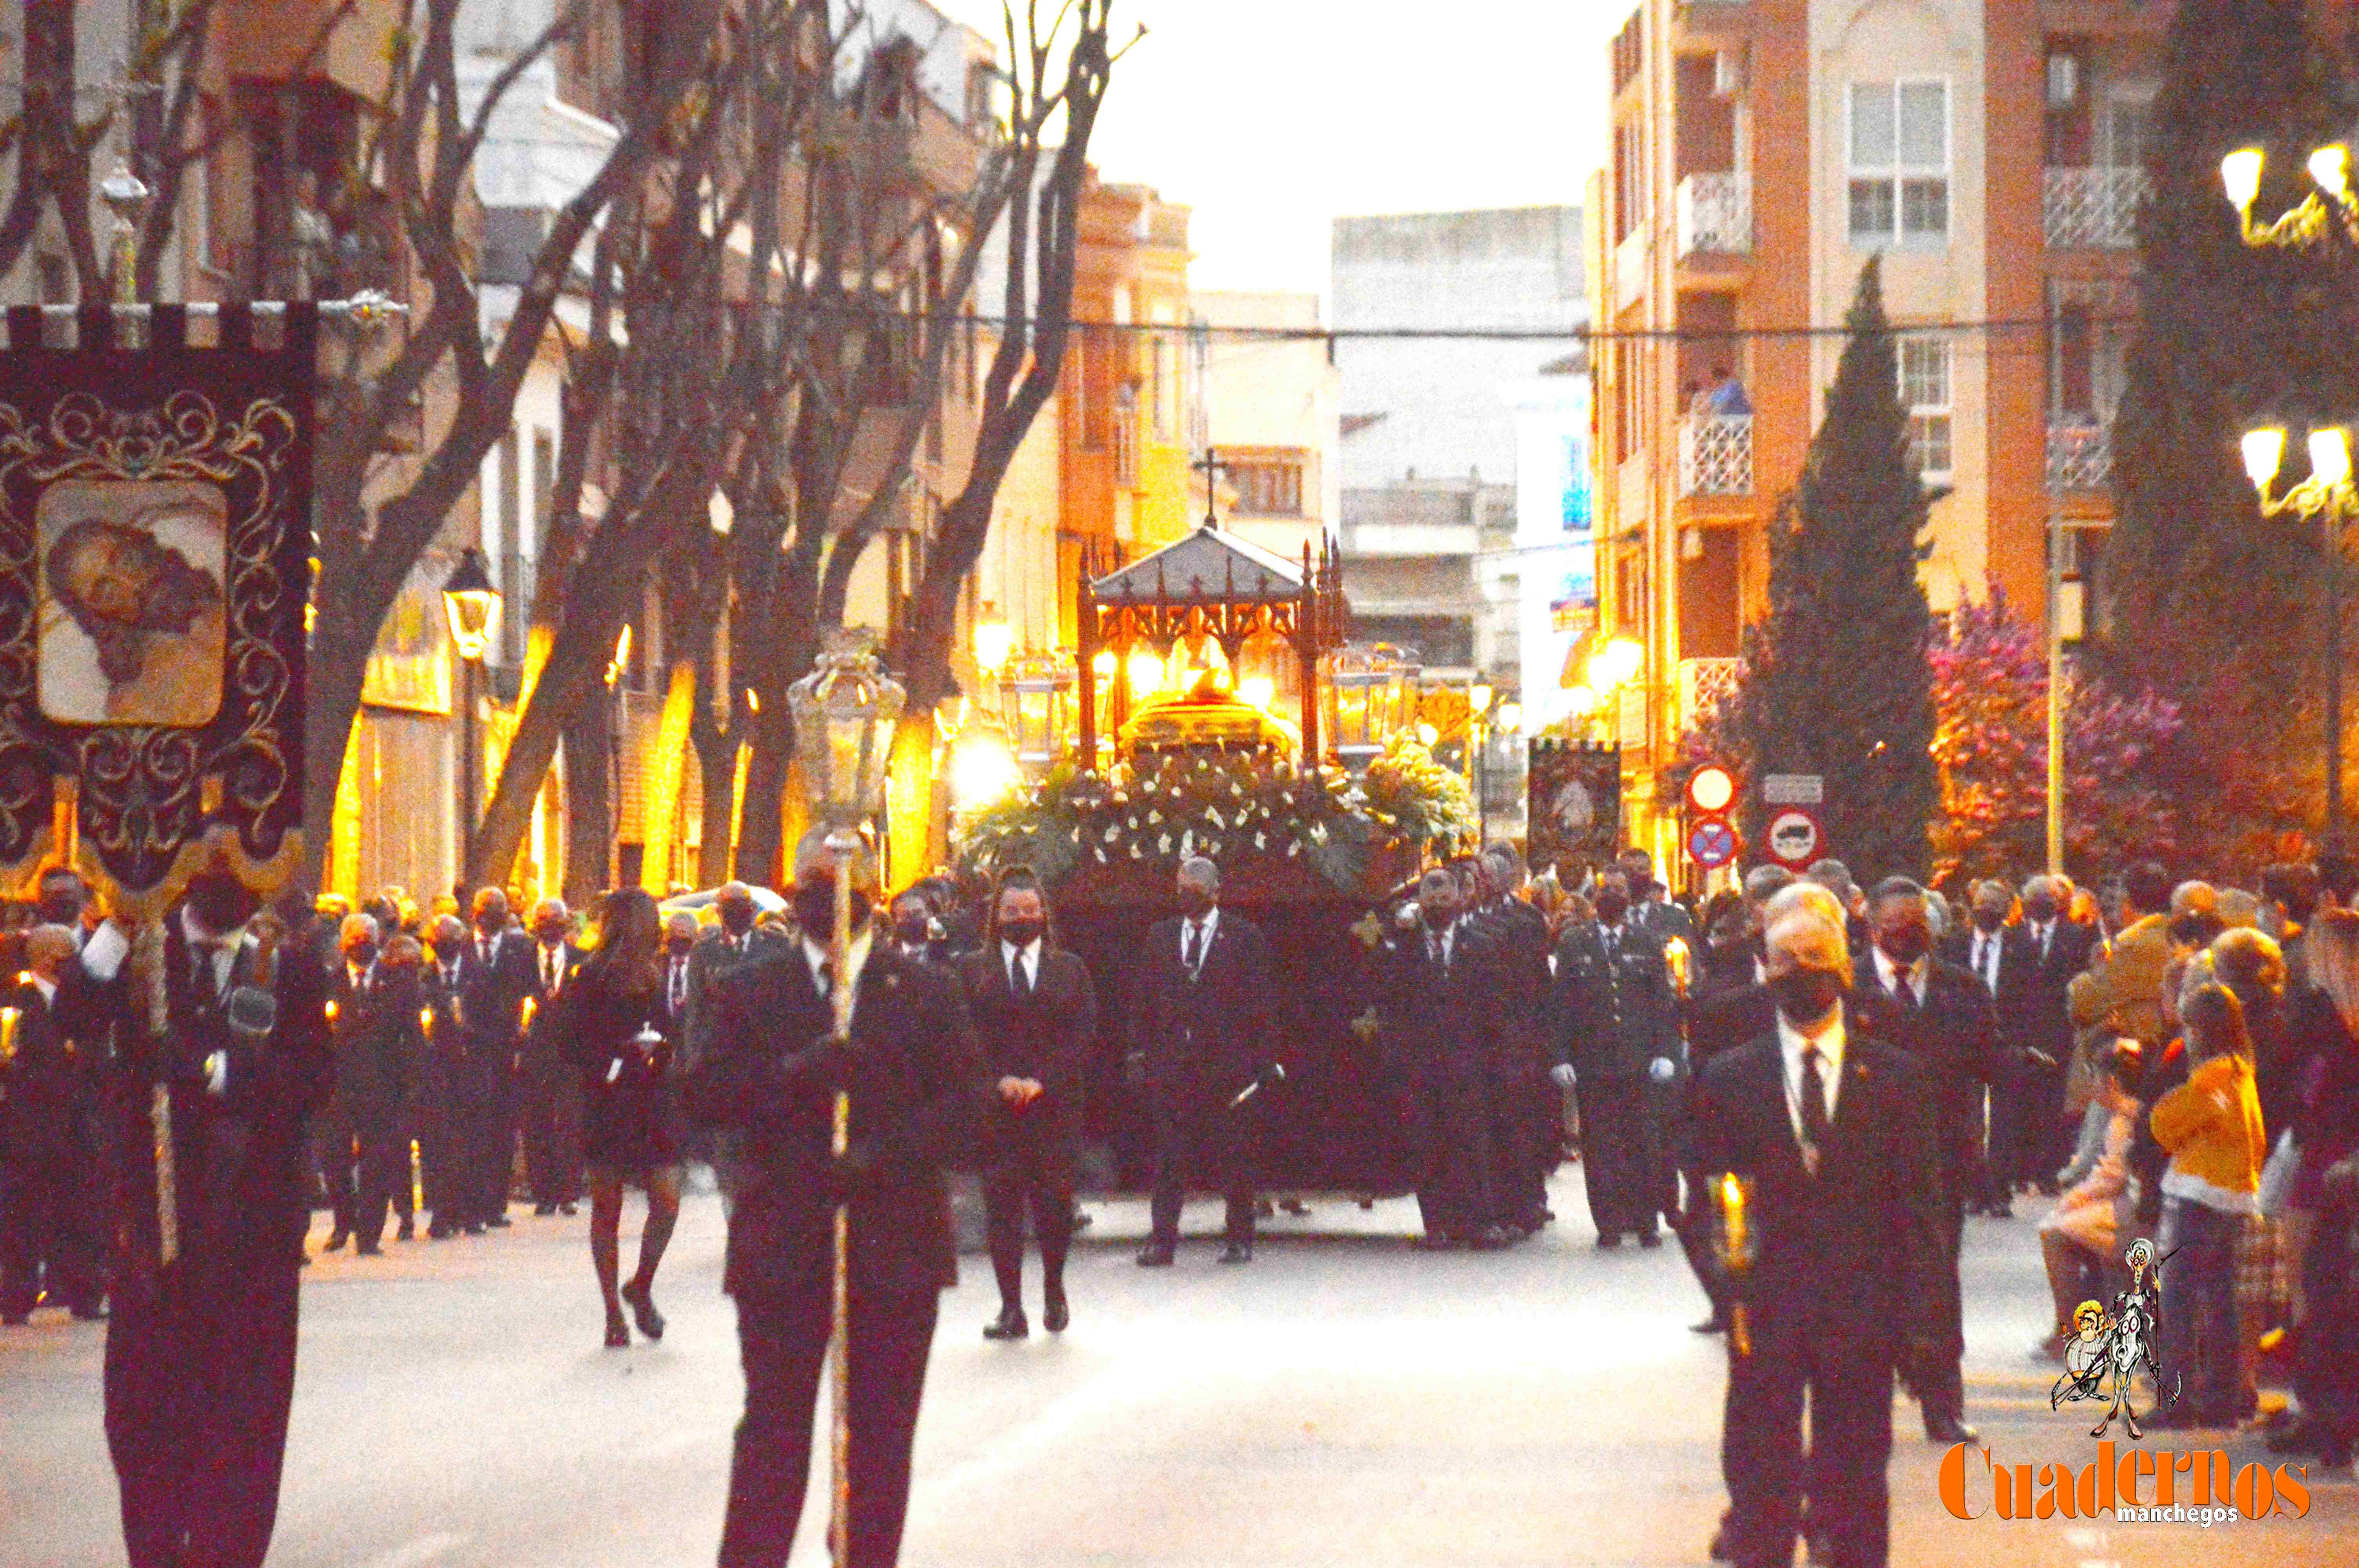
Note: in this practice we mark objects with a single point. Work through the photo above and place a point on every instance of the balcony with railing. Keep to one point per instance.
(1715, 215)
(2092, 209)
(1716, 455)
(1704, 685)
(2080, 456)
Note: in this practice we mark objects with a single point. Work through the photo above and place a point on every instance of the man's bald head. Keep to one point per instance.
(1802, 937)
(1804, 895)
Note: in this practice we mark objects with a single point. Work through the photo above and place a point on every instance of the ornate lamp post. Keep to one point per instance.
(1035, 707)
(844, 711)
(472, 607)
(2329, 497)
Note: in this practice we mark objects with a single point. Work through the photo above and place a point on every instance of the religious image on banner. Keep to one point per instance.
(1575, 809)
(155, 562)
(132, 601)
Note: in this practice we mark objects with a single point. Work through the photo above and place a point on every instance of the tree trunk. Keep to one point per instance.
(333, 671)
(588, 799)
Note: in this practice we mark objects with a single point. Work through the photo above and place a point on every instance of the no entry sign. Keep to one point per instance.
(1711, 843)
(1795, 837)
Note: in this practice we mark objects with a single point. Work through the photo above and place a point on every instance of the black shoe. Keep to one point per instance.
(567, 1211)
(1650, 1238)
(501, 1221)
(642, 1303)
(369, 1249)
(1715, 1323)
(1237, 1252)
(1431, 1243)
(543, 1210)
(1294, 1207)
(1010, 1324)
(1491, 1238)
(1055, 1315)
(407, 1231)
(2300, 1436)
(1944, 1428)
(336, 1240)
(1156, 1255)
(1083, 1220)
(89, 1311)
(1608, 1240)
(472, 1228)
(441, 1231)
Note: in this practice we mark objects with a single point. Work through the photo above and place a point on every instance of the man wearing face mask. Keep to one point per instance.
(552, 1088)
(1200, 1036)
(734, 943)
(2003, 959)
(200, 1352)
(62, 896)
(2061, 945)
(1829, 1126)
(915, 930)
(448, 1135)
(1941, 1017)
(1036, 1017)
(915, 1085)
(1436, 1019)
(494, 975)
(379, 1044)
(1614, 1017)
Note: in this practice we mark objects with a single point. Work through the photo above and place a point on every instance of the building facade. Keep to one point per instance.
(1990, 153)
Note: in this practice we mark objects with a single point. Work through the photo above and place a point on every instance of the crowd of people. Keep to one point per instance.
(2177, 1062)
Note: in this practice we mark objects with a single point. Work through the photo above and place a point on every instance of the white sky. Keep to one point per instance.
(1272, 117)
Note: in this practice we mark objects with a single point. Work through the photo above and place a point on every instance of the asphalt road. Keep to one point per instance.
(1344, 1400)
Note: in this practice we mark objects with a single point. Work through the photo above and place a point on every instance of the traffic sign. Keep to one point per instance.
(1711, 843)
(1793, 789)
(1711, 789)
(1795, 837)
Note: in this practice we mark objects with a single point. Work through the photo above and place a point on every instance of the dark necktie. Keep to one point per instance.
(1019, 978)
(549, 970)
(1903, 992)
(200, 964)
(1814, 1109)
(1190, 934)
(826, 978)
(678, 983)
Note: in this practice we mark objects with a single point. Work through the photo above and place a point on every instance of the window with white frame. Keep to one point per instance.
(1900, 162)
(1925, 394)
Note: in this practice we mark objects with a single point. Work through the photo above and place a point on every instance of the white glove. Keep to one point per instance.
(1662, 1069)
(1561, 1075)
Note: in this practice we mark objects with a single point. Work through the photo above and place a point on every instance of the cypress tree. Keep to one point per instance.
(1837, 681)
(2200, 595)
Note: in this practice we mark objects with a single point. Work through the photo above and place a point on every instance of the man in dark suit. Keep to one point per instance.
(495, 974)
(1650, 909)
(551, 1086)
(1518, 1096)
(1035, 1018)
(1437, 1015)
(201, 1351)
(52, 1229)
(1615, 1016)
(914, 1084)
(2008, 966)
(2063, 946)
(378, 1047)
(735, 943)
(1939, 1016)
(1829, 1126)
(1200, 1038)
(450, 1136)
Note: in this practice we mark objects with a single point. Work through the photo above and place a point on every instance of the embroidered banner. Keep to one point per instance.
(154, 563)
(1573, 816)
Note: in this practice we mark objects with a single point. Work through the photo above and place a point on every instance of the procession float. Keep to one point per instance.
(1214, 708)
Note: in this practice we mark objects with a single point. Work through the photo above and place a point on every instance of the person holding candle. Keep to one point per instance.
(1833, 1132)
(551, 1089)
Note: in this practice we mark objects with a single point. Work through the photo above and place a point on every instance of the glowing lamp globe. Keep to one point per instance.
(844, 711)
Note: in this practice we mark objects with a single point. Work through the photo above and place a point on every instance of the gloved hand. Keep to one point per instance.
(1562, 1076)
(1662, 1069)
(825, 1063)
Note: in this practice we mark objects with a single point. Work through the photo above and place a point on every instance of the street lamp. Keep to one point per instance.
(471, 605)
(843, 711)
(2306, 223)
(2328, 496)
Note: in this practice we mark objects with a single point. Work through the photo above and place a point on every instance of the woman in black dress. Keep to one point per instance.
(620, 1033)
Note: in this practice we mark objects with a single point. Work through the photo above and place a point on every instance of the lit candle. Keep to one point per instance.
(531, 1006)
(8, 1016)
(425, 1022)
(331, 1013)
(1732, 1204)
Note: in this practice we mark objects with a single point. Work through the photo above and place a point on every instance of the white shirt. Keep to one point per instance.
(1988, 945)
(1010, 955)
(1886, 970)
(1444, 942)
(551, 962)
(1791, 1043)
(47, 988)
(856, 959)
(2042, 933)
(102, 959)
(1205, 930)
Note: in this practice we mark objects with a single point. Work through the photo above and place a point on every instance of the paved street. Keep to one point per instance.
(1344, 1400)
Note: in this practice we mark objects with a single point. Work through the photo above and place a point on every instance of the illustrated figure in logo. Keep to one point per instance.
(2116, 1344)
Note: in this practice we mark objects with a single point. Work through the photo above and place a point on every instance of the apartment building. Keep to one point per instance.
(1991, 152)
(1268, 403)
